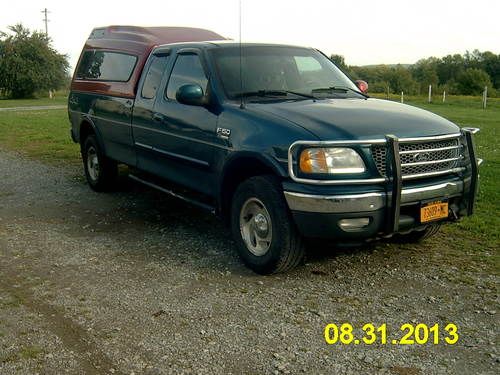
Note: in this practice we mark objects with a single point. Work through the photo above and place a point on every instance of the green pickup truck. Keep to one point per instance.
(274, 139)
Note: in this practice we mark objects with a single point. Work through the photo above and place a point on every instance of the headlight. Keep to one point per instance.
(331, 160)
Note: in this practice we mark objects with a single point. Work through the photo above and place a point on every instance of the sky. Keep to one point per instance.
(363, 31)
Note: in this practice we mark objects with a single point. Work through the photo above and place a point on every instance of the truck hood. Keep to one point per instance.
(339, 119)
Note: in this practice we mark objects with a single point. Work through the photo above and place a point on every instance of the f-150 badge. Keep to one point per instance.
(223, 133)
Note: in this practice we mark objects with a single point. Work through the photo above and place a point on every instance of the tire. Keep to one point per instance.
(418, 236)
(266, 237)
(100, 171)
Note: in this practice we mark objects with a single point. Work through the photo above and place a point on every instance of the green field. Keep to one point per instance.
(44, 135)
(41, 134)
(59, 98)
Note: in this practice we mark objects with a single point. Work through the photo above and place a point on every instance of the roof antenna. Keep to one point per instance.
(242, 103)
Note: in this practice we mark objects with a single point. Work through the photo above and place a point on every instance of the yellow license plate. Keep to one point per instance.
(433, 211)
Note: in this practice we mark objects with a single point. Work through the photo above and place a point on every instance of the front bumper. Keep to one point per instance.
(324, 216)
(367, 202)
(387, 209)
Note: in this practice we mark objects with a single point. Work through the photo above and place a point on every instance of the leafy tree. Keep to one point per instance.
(472, 81)
(491, 65)
(425, 72)
(340, 62)
(401, 79)
(28, 63)
(449, 68)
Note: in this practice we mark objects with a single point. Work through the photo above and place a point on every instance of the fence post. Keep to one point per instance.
(430, 93)
(485, 96)
(444, 96)
(402, 97)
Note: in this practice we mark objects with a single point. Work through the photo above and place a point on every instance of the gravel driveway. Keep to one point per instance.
(135, 282)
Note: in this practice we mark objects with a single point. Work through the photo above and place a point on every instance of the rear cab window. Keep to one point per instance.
(153, 77)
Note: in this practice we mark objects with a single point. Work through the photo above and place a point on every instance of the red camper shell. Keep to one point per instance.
(136, 41)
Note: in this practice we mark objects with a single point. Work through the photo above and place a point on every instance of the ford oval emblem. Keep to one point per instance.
(422, 156)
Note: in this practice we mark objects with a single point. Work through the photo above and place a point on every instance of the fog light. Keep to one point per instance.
(351, 225)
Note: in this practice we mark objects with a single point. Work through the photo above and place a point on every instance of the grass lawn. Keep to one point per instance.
(44, 135)
(57, 100)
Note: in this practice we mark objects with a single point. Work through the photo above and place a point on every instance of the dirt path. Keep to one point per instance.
(136, 282)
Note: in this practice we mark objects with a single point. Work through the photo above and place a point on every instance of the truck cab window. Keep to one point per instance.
(187, 70)
(153, 77)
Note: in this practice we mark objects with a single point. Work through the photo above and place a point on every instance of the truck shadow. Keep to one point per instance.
(319, 250)
(197, 232)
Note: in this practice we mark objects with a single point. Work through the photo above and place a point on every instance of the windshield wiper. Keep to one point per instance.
(302, 94)
(338, 88)
(271, 93)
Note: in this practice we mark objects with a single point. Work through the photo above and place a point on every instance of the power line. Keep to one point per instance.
(46, 20)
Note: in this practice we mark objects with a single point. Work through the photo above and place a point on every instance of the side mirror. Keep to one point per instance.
(362, 86)
(190, 95)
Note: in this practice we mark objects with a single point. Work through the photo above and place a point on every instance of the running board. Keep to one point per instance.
(174, 194)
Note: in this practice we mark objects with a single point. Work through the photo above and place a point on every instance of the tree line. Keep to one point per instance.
(457, 74)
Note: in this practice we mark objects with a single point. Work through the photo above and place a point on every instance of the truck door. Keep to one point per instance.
(182, 138)
(145, 130)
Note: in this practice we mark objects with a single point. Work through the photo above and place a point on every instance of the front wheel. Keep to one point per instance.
(100, 171)
(262, 226)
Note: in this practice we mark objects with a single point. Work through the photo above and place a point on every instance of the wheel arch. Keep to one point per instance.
(86, 128)
(240, 167)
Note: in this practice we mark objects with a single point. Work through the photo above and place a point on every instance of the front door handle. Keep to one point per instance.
(158, 117)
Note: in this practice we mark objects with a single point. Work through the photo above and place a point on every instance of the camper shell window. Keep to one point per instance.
(106, 66)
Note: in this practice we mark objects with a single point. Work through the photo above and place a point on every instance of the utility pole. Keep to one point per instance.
(46, 20)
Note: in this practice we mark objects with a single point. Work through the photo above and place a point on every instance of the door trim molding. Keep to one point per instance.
(174, 155)
(181, 136)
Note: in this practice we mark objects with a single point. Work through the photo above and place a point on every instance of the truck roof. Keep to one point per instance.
(138, 41)
(131, 37)
(235, 44)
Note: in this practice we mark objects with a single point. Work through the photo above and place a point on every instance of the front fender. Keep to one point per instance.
(270, 161)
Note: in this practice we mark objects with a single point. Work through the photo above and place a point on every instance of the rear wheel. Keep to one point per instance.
(417, 236)
(262, 226)
(100, 171)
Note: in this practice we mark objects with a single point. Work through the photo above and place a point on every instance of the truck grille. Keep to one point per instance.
(420, 158)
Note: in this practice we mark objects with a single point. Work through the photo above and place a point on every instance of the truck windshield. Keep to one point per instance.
(280, 69)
